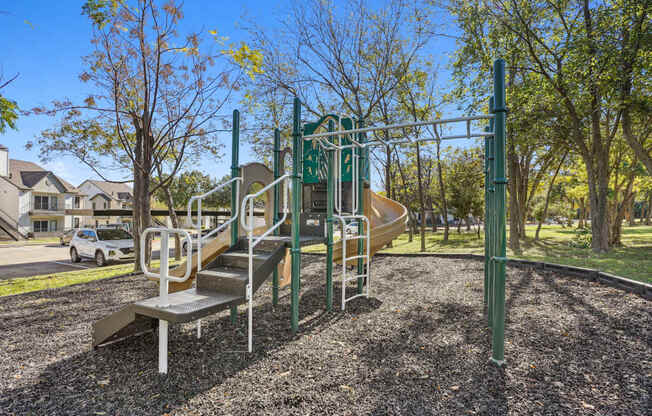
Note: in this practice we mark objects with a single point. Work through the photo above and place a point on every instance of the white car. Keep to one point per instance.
(194, 242)
(103, 245)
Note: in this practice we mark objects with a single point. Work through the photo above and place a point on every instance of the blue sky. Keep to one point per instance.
(44, 41)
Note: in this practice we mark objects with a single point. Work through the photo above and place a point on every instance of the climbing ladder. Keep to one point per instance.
(364, 275)
(355, 215)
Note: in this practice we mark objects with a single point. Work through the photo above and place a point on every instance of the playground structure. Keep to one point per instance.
(328, 185)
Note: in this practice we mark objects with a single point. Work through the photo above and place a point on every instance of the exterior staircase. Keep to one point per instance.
(10, 227)
(221, 285)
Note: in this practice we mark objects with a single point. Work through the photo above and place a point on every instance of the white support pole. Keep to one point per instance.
(198, 328)
(250, 318)
(164, 269)
(199, 237)
(162, 346)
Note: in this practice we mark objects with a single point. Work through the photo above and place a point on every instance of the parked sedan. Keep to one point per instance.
(103, 245)
(66, 236)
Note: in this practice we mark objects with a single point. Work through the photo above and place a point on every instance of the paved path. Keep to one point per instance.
(34, 260)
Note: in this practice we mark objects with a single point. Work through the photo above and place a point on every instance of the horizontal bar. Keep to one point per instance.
(364, 256)
(348, 279)
(355, 296)
(398, 126)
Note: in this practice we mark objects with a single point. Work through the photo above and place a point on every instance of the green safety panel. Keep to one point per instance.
(315, 161)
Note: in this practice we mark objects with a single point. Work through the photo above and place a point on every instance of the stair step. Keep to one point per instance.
(240, 259)
(187, 305)
(224, 279)
(269, 243)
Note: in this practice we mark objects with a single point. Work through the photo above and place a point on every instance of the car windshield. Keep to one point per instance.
(116, 234)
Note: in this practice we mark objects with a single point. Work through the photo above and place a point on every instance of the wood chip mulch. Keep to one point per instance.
(419, 346)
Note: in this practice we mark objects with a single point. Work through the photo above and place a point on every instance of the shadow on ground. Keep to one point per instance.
(419, 346)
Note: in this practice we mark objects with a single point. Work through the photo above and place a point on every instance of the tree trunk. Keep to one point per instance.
(137, 209)
(442, 192)
(597, 161)
(631, 210)
(175, 224)
(621, 209)
(548, 193)
(421, 201)
(648, 215)
(514, 206)
(432, 216)
(468, 223)
(388, 175)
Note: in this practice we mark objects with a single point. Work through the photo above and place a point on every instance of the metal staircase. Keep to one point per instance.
(220, 285)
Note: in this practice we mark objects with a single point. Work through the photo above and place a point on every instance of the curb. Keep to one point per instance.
(628, 285)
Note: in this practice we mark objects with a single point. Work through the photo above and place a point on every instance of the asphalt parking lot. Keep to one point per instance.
(35, 260)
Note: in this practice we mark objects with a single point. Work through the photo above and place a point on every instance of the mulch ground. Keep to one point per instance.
(419, 346)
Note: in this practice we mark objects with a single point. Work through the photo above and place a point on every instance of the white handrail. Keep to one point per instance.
(199, 198)
(249, 198)
(164, 277)
(253, 243)
(163, 274)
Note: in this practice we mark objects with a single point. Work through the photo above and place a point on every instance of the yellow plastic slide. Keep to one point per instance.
(388, 219)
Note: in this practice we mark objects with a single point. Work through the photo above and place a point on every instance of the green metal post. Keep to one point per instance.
(491, 219)
(498, 333)
(296, 212)
(235, 172)
(361, 167)
(277, 174)
(486, 218)
(330, 202)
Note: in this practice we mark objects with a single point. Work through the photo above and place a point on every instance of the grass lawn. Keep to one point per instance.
(49, 281)
(633, 260)
(45, 240)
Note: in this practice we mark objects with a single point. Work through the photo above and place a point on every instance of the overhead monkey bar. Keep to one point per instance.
(377, 141)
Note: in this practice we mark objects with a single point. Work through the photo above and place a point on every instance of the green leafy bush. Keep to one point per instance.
(581, 239)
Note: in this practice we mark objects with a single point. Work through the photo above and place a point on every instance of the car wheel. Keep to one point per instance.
(74, 257)
(184, 249)
(99, 259)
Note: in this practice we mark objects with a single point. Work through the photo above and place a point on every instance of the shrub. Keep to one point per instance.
(581, 239)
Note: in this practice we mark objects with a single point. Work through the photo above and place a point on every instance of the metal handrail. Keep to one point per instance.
(250, 198)
(164, 269)
(402, 126)
(253, 243)
(199, 198)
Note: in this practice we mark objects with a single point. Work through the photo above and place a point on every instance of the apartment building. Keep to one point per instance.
(102, 195)
(34, 201)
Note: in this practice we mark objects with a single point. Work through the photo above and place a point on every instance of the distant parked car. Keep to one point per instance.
(121, 226)
(66, 236)
(103, 245)
(194, 241)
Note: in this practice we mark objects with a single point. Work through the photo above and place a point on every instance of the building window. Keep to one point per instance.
(124, 206)
(93, 205)
(40, 202)
(76, 222)
(76, 202)
(45, 202)
(53, 226)
(40, 226)
(105, 205)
